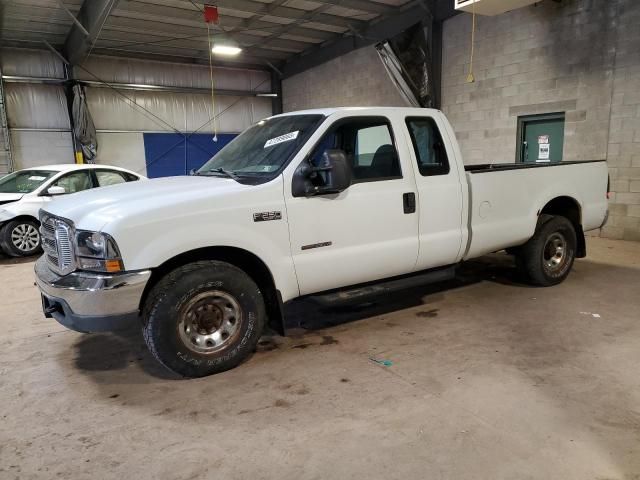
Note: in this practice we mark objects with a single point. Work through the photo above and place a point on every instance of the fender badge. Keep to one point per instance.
(267, 216)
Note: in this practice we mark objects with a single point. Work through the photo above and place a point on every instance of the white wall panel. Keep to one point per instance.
(30, 63)
(124, 150)
(111, 111)
(40, 106)
(235, 114)
(36, 106)
(184, 112)
(32, 149)
(149, 72)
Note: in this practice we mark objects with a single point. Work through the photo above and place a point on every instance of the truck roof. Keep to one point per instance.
(361, 110)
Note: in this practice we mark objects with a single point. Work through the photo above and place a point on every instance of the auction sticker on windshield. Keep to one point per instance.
(282, 138)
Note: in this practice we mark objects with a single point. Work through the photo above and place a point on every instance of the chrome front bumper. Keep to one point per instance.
(91, 302)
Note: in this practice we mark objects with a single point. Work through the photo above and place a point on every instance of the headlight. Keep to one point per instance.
(98, 252)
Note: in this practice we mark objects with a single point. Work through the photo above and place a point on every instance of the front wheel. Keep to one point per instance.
(203, 318)
(20, 238)
(546, 259)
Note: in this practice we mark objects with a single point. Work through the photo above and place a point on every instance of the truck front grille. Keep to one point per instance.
(57, 243)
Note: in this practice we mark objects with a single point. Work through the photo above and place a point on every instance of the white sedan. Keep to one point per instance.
(24, 192)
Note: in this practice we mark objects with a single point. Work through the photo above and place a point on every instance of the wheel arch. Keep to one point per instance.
(247, 261)
(569, 208)
(23, 216)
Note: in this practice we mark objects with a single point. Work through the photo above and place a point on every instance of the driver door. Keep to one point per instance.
(365, 232)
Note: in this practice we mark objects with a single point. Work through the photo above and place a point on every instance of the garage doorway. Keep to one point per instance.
(540, 138)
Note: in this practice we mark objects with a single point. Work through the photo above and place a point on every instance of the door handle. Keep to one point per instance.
(409, 202)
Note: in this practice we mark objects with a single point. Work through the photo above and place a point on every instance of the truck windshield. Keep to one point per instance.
(24, 181)
(263, 149)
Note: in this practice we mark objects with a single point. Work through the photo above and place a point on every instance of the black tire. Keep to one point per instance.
(546, 259)
(21, 237)
(192, 308)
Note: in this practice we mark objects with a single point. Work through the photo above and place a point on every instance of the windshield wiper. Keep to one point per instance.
(226, 173)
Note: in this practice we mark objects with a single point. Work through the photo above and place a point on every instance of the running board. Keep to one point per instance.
(365, 291)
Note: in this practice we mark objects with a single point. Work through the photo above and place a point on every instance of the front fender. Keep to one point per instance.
(272, 247)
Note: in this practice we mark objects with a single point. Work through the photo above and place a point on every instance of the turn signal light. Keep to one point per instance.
(113, 266)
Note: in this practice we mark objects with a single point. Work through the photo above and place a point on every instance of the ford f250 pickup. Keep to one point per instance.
(318, 202)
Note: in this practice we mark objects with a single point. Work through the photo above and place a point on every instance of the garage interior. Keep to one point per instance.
(478, 377)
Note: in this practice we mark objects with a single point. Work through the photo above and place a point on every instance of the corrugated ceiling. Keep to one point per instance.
(268, 30)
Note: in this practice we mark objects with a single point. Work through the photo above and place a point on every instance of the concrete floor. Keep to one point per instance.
(489, 380)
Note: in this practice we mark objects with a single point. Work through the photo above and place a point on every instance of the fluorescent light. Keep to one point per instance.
(226, 50)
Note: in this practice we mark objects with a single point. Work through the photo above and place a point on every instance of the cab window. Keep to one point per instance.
(369, 146)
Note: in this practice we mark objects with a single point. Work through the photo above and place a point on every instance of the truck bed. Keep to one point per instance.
(501, 167)
(504, 206)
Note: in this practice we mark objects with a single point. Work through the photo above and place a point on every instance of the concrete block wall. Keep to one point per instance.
(581, 57)
(355, 79)
(624, 136)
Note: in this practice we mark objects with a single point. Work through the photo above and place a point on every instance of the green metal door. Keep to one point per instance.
(542, 139)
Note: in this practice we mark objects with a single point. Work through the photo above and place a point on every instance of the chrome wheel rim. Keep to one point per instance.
(25, 237)
(210, 321)
(555, 252)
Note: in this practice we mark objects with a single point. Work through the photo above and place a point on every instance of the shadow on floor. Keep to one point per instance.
(104, 352)
(309, 315)
(98, 353)
(6, 260)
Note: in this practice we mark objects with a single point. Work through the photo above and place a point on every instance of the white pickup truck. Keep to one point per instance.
(335, 202)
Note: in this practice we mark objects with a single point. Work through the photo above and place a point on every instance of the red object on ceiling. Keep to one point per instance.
(211, 14)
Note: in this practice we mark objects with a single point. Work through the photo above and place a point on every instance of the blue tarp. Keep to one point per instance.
(169, 154)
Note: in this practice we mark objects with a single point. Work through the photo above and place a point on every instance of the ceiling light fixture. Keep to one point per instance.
(227, 50)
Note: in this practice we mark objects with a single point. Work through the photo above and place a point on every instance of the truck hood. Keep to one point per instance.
(133, 201)
(10, 197)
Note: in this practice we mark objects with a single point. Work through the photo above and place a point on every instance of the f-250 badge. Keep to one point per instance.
(266, 216)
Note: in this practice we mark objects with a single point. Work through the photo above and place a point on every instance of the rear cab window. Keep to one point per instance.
(429, 149)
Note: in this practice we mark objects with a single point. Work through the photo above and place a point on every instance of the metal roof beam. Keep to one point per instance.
(92, 15)
(247, 62)
(187, 51)
(73, 18)
(375, 31)
(361, 5)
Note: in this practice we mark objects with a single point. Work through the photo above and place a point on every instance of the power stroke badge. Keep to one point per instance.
(267, 216)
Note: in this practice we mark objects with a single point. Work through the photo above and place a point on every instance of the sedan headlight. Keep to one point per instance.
(97, 252)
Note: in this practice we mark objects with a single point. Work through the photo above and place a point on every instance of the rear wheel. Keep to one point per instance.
(203, 318)
(21, 238)
(546, 259)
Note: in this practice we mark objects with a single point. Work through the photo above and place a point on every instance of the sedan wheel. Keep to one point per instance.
(25, 237)
(20, 238)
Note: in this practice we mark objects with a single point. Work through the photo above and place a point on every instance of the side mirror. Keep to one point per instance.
(333, 175)
(338, 171)
(53, 191)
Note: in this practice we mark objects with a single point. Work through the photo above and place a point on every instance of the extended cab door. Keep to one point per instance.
(440, 193)
(370, 230)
